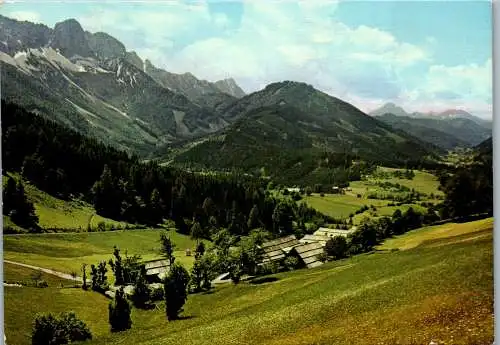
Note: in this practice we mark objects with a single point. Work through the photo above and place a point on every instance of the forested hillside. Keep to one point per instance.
(64, 163)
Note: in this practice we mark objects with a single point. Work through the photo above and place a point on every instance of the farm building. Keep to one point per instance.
(156, 270)
(338, 190)
(276, 250)
(308, 254)
(294, 189)
(333, 232)
(314, 238)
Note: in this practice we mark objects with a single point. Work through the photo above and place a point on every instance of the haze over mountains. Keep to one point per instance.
(447, 129)
(91, 83)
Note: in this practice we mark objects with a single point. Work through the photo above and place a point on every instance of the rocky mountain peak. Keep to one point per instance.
(106, 46)
(68, 36)
(230, 87)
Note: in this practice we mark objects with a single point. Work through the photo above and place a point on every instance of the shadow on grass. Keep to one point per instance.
(263, 280)
(185, 317)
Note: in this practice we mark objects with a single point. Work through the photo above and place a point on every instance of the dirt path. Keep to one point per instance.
(46, 270)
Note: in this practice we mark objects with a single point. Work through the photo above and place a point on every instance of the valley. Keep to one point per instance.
(151, 206)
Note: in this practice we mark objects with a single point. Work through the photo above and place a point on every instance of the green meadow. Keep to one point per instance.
(66, 252)
(54, 213)
(435, 283)
(338, 205)
(343, 205)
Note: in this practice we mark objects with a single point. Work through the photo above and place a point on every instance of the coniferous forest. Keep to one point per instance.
(66, 164)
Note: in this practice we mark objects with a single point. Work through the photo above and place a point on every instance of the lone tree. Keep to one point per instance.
(336, 247)
(200, 250)
(84, 277)
(253, 218)
(176, 291)
(18, 207)
(196, 231)
(99, 279)
(141, 295)
(119, 312)
(167, 247)
(73, 276)
(117, 267)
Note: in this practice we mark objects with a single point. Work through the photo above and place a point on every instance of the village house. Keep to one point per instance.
(308, 254)
(334, 232)
(277, 249)
(314, 239)
(156, 270)
(294, 189)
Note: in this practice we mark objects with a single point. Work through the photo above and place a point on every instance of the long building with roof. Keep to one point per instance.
(277, 249)
(334, 232)
(308, 254)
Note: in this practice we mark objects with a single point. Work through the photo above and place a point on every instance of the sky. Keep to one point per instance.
(421, 55)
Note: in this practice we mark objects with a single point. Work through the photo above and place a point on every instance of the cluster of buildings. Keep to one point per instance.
(307, 250)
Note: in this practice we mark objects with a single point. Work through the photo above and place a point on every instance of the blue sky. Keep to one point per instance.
(423, 55)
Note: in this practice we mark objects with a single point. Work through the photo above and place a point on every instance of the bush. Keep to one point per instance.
(42, 284)
(322, 257)
(321, 194)
(51, 330)
(268, 268)
(157, 294)
(101, 226)
(291, 263)
(336, 247)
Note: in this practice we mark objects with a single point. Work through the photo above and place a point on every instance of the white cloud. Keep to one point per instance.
(29, 16)
(283, 40)
(471, 81)
(457, 86)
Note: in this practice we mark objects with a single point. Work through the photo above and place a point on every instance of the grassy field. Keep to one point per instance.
(423, 182)
(15, 273)
(338, 205)
(408, 296)
(433, 234)
(56, 213)
(66, 252)
(22, 304)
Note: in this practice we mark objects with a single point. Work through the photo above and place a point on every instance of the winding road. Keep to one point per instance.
(48, 271)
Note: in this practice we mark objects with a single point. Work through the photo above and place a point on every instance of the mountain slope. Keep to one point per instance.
(111, 99)
(486, 147)
(448, 129)
(295, 134)
(389, 108)
(90, 83)
(198, 91)
(424, 131)
(444, 132)
(230, 87)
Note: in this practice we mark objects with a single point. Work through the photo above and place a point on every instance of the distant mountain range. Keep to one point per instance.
(448, 129)
(91, 83)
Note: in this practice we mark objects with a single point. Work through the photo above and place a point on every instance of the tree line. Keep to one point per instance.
(68, 165)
